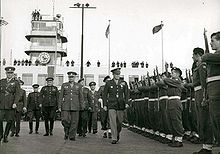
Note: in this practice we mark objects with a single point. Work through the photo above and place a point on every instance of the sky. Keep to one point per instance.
(130, 31)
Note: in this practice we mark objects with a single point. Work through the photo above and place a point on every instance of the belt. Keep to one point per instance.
(140, 99)
(197, 88)
(146, 98)
(184, 101)
(213, 78)
(153, 99)
(163, 97)
(174, 97)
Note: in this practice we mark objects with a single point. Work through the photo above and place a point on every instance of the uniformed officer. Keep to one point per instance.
(70, 102)
(34, 108)
(84, 110)
(104, 114)
(213, 91)
(49, 95)
(115, 99)
(9, 94)
(21, 108)
(94, 108)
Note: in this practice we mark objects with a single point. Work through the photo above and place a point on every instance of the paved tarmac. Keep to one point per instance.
(130, 143)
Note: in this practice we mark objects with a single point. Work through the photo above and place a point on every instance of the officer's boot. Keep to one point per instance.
(31, 127)
(7, 129)
(37, 126)
(51, 127)
(46, 127)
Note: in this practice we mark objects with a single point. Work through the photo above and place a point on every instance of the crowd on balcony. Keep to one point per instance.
(36, 15)
(71, 63)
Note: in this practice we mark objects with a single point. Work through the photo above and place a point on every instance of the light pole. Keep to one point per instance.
(82, 6)
(2, 23)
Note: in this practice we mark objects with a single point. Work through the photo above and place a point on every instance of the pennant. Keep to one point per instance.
(107, 32)
(157, 28)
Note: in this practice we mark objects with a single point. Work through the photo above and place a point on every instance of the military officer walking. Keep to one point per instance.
(84, 110)
(104, 114)
(9, 94)
(94, 108)
(70, 101)
(115, 99)
(34, 108)
(49, 96)
(21, 107)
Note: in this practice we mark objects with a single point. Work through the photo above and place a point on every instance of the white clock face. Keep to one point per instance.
(44, 58)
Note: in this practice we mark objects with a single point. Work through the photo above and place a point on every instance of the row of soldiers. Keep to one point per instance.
(170, 109)
(14, 104)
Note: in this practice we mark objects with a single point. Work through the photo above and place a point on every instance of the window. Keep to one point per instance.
(88, 78)
(41, 79)
(59, 78)
(28, 79)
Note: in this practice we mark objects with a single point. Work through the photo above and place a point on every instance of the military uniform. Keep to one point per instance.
(49, 96)
(21, 105)
(174, 108)
(213, 90)
(94, 112)
(70, 102)
(34, 109)
(84, 112)
(115, 98)
(9, 94)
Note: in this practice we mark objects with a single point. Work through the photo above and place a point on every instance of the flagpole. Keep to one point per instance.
(162, 46)
(109, 55)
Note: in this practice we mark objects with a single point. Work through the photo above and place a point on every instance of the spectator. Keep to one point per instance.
(113, 64)
(98, 63)
(67, 63)
(72, 63)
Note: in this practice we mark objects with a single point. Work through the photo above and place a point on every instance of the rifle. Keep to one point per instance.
(157, 74)
(148, 78)
(166, 69)
(190, 77)
(187, 77)
(206, 41)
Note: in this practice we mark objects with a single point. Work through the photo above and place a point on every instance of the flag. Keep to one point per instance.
(3, 22)
(107, 31)
(157, 28)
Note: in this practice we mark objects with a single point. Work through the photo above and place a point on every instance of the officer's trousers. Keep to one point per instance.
(31, 115)
(214, 107)
(70, 122)
(175, 117)
(116, 119)
(82, 123)
(15, 127)
(49, 113)
(204, 122)
(92, 123)
(163, 117)
(104, 119)
(8, 115)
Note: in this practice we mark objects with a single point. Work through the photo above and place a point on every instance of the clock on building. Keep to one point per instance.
(44, 58)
